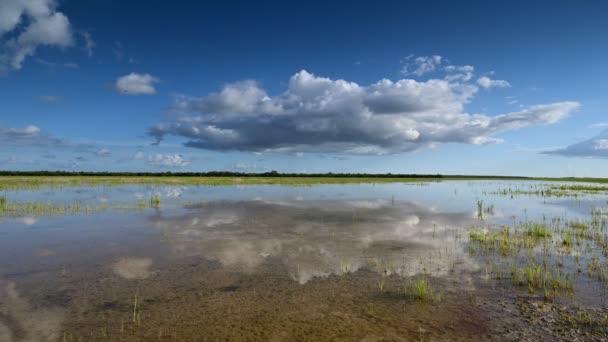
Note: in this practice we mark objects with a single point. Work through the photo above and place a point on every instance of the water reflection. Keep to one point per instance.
(20, 321)
(202, 254)
(321, 238)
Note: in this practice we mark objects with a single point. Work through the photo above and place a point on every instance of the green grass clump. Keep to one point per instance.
(538, 230)
(155, 201)
(420, 289)
(578, 225)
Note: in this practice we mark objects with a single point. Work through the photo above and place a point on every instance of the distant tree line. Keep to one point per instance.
(239, 174)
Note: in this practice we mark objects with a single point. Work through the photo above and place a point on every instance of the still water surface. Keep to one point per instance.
(327, 262)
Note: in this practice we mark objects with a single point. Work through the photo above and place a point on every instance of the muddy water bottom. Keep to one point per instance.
(348, 263)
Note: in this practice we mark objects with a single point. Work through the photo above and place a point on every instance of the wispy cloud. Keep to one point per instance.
(599, 125)
(596, 147)
(420, 65)
(50, 98)
(488, 83)
(165, 160)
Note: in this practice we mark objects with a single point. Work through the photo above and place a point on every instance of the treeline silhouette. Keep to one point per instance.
(240, 174)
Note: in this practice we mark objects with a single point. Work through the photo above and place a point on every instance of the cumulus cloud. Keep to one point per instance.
(137, 84)
(319, 114)
(26, 25)
(596, 147)
(166, 160)
(488, 83)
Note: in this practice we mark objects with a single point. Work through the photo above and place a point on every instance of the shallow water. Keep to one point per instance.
(327, 262)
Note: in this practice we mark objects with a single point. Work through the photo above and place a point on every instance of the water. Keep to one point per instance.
(290, 263)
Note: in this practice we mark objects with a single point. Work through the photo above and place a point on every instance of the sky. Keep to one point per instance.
(467, 87)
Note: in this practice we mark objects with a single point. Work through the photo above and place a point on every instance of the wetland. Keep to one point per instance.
(382, 260)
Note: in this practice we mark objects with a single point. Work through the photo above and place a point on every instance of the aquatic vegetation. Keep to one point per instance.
(381, 283)
(480, 209)
(155, 201)
(420, 289)
(136, 313)
(57, 182)
(554, 251)
(36, 208)
(538, 230)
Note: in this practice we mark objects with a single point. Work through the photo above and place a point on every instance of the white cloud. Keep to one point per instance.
(167, 160)
(601, 144)
(26, 25)
(421, 65)
(104, 152)
(596, 147)
(462, 73)
(29, 135)
(324, 115)
(30, 131)
(599, 125)
(137, 84)
(488, 83)
(89, 43)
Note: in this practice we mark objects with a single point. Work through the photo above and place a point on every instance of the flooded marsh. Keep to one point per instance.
(426, 261)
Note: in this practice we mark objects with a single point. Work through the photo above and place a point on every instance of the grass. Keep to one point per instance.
(37, 208)
(21, 182)
(420, 289)
(155, 201)
(35, 183)
(545, 256)
(539, 230)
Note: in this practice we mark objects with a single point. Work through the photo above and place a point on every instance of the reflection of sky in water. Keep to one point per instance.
(312, 232)
(443, 196)
(321, 238)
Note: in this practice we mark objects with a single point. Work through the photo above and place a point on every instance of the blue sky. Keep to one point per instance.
(473, 87)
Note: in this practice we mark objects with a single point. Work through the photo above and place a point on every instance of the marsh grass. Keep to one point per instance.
(38, 208)
(419, 288)
(545, 256)
(11, 183)
(155, 201)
